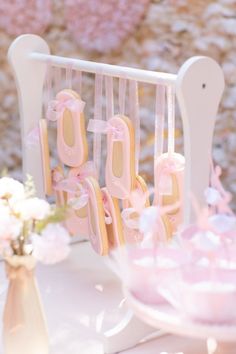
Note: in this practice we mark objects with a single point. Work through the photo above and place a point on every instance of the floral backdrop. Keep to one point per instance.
(156, 35)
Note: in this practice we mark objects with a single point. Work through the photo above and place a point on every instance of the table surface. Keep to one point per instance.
(75, 318)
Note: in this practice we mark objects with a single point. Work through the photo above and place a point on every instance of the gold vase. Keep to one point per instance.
(24, 325)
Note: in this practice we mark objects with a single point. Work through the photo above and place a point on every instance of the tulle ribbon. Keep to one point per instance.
(56, 108)
(104, 127)
(73, 184)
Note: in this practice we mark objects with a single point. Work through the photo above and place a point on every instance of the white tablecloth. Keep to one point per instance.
(80, 301)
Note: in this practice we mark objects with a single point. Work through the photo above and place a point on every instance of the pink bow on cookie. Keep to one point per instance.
(56, 108)
(103, 127)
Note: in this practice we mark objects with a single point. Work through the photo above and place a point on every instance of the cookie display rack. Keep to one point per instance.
(199, 85)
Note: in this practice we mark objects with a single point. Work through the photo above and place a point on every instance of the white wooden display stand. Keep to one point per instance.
(199, 86)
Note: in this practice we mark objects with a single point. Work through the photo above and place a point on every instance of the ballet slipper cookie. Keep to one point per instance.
(132, 208)
(139, 196)
(45, 155)
(114, 225)
(57, 178)
(67, 110)
(77, 218)
(120, 163)
(169, 175)
(96, 217)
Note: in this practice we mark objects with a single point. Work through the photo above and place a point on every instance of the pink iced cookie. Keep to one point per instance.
(114, 227)
(96, 217)
(45, 156)
(57, 177)
(77, 218)
(67, 111)
(169, 176)
(120, 163)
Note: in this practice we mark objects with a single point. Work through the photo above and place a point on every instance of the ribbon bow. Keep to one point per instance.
(56, 108)
(73, 184)
(102, 127)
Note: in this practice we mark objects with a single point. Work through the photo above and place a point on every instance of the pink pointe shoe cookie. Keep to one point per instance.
(45, 155)
(57, 178)
(96, 217)
(120, 163)
(132, 208)
(169, 175)
(77, 217)
(114, 227)
(77, 220)
(67, 110)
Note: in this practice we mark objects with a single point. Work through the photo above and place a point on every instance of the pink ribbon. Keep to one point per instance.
(133, 223)
(73, 184)
(222, 204)
(102, 127)
(56, 108)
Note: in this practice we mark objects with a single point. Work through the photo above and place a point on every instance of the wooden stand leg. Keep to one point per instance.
(199, 88)
(29, 76)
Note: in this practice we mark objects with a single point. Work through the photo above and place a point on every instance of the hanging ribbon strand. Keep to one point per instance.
(122, 95)
(159, 121)
(69, 69)
(135, 117)
(109, 97)
(57, 78)
(171, 119)
(79, 77)
(97, 142)
(48, 86)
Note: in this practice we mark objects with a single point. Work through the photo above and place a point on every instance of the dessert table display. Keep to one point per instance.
(173, 243)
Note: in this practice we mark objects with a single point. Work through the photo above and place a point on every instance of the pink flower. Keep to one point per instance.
(32, 208)
(52, 245)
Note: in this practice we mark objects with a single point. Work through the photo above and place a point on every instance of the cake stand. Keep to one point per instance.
(220, 339)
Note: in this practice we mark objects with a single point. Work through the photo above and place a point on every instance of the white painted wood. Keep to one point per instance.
(151, 77)
(199, 88)
(29, 76)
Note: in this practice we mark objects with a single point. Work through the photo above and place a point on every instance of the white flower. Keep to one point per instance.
(11, 189)
(10, 226)
(32, 208)
(53, 244)
(222, 223)
(148, 219)
(212, 196)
